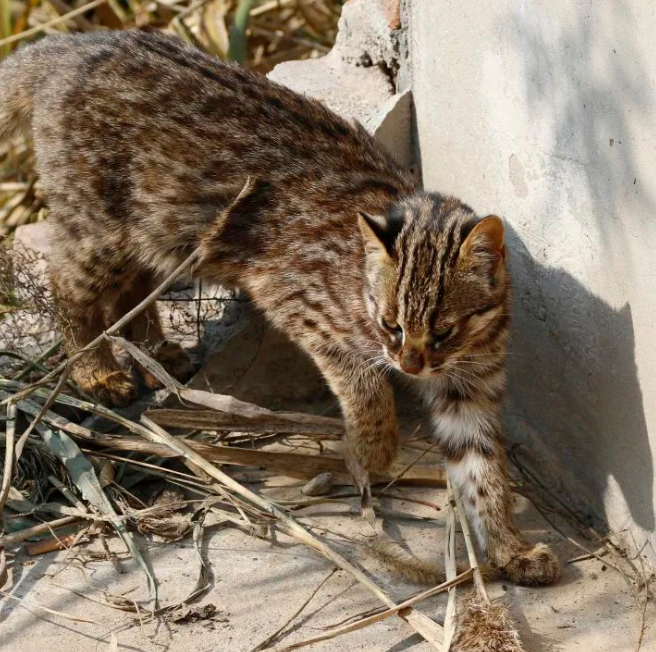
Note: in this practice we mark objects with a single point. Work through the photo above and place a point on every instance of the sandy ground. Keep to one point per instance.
(258, 585)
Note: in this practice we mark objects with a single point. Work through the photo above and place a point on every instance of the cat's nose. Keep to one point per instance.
(411, 361)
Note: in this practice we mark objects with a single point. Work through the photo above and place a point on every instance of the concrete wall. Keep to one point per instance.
(545, 112)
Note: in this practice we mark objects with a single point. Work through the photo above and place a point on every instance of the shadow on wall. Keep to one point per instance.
(573, 377)
(574, 382)
(593, 90)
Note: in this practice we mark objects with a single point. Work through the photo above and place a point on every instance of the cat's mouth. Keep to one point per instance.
(417, 367)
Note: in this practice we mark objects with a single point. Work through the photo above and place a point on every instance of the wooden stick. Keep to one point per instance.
(471, 550)
(450, 569)
(17, 537)
(278, 422)
(9, 458)
(295, 465)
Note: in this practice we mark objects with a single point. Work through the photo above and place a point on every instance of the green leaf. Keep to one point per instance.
(238, 39)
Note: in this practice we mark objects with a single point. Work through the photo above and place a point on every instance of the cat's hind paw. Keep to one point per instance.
(536, 566)
(117, 388)
(174, 359)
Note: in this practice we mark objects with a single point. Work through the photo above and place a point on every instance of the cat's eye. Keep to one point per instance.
(439, 336)
(390, 325)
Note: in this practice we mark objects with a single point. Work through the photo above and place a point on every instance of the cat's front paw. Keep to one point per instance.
(116, 388)
(535, 566)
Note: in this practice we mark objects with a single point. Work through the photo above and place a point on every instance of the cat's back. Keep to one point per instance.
(149, 95)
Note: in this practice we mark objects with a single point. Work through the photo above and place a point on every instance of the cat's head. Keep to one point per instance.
(437, 281)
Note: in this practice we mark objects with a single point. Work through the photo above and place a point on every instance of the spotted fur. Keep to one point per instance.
(142, 143)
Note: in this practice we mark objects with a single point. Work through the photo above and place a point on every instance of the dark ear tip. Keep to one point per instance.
(377, 224)
(384, 228)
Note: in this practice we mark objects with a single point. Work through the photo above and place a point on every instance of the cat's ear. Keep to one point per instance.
(485, 242)
(378, 234)
(485, 237)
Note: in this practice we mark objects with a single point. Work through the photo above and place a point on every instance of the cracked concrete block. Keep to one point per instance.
(355, 93)
(351, 91)
(354, 79)
(391, 125)
(368, 34)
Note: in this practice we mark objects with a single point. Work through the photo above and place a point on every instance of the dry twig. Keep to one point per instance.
(375, 618)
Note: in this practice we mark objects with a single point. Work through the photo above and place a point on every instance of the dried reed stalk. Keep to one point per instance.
(28, 33)
(450, 618)
(9, 458)
(376, 618)
(481, 625)
(42, 528)
(291, 464)
(280, 423)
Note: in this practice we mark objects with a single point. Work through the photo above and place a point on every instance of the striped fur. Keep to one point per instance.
(445, 273)
(143, 142)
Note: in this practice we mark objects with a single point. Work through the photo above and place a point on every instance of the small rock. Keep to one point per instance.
(192, 613)
(320, 485)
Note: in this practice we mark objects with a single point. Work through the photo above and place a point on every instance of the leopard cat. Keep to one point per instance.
(143, 142)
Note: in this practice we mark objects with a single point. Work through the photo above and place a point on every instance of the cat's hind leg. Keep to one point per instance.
(145, 330)
(83, 290)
